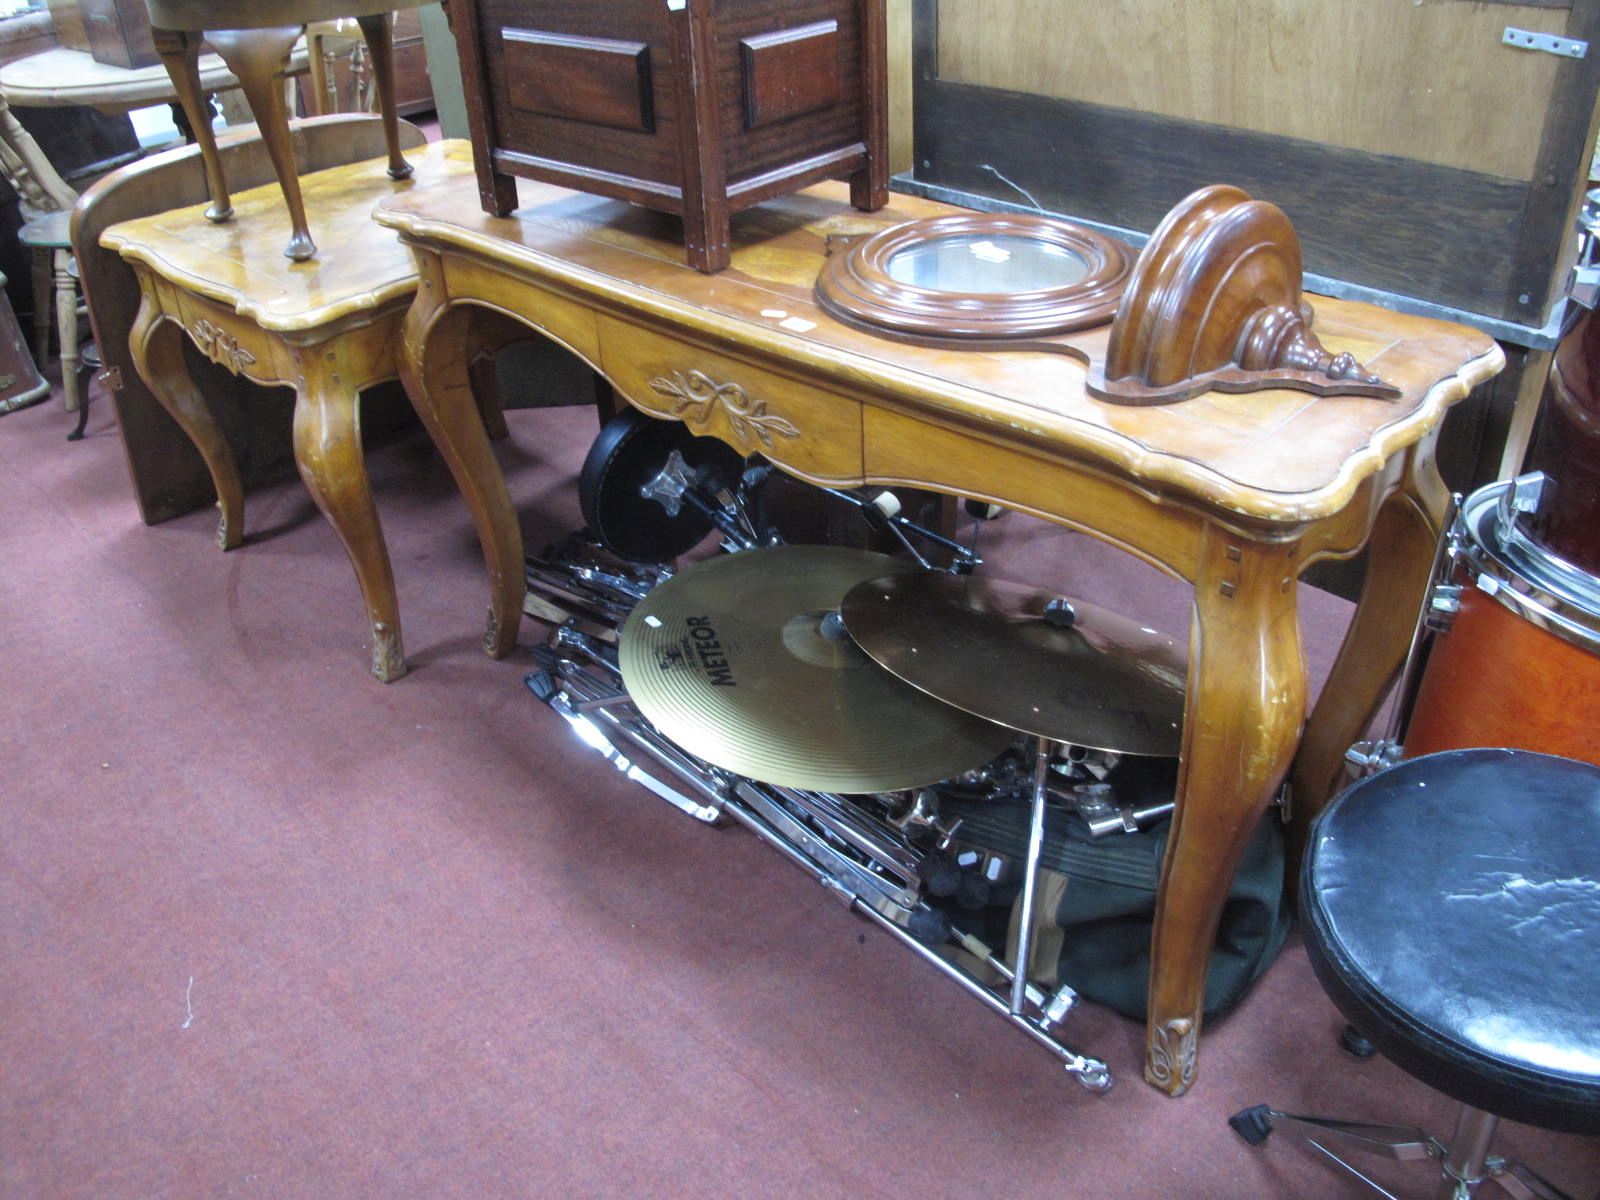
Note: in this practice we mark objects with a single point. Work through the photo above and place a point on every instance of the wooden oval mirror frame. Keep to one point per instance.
(858, 287)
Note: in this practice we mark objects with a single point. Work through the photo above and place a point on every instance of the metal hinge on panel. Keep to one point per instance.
(1548, 42)
(110, 378)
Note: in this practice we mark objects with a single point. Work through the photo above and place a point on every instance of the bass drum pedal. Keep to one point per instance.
(629, 459)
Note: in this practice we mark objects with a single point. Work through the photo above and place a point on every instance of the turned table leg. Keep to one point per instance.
(180, 54)
(435, 366)
(156, 344)
(259, 58)
(327, 449)
(379, 35)
(66, 296)
(1243, 712)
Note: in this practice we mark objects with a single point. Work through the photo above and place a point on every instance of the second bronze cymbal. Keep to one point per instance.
(730, 659)
(1076, 673)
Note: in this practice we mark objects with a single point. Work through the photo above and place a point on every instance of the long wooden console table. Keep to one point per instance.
(1235, 494)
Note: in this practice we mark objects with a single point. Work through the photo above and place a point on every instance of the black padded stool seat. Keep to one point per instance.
(1451, 907)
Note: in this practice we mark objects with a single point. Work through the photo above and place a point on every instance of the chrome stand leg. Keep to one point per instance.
(1465, 1156)
(1333, 1138)
(1030, 880)
(1520, 1183)
(587, 690)
(1091, 1073)
(1463, 1164)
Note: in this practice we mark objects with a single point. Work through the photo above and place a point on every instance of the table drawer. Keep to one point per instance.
(812, 432)
(225, 337)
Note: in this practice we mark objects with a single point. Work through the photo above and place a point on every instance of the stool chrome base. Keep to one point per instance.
(1463, 1164)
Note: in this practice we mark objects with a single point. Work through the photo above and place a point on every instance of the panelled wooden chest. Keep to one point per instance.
(695, 107)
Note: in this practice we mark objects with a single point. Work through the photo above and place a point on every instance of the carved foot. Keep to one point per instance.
(388, 659)
(1170, 1055)
(229, 534)
(219, 215)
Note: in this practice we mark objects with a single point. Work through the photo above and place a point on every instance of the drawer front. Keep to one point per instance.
(556, 316)
(226, 338)
(812, 432)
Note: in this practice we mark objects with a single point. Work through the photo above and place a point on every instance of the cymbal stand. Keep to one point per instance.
(1439, 603)
(1091, 1073)
(1030, 878)
(852, 850)
(842, 847)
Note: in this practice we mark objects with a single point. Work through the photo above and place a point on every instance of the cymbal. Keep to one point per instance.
(1086, 675)
(729, 658)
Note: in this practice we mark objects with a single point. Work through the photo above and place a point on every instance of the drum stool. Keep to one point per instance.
(1451, 910)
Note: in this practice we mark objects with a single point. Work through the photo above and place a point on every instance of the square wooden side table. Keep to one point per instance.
(326, 328)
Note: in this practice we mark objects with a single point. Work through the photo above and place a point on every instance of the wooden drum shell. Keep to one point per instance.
(1496, 679)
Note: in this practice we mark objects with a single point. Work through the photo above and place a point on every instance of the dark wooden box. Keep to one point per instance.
(695, 107)
(119, 32)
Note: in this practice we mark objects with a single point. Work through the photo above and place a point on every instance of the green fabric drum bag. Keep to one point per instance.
(1098, 899)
